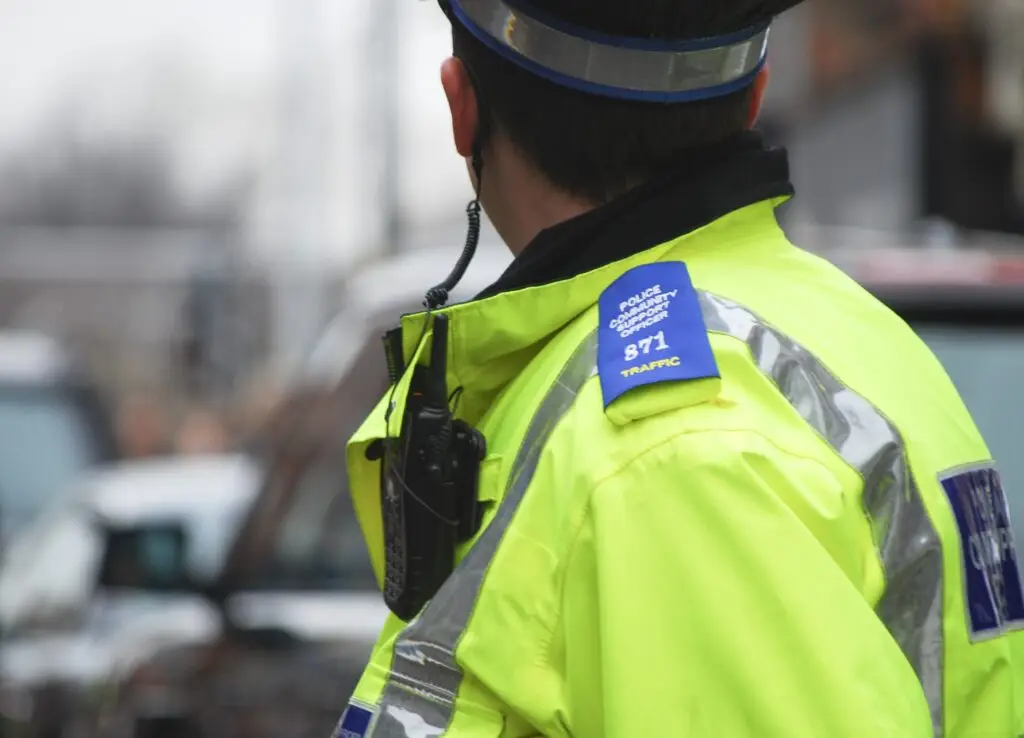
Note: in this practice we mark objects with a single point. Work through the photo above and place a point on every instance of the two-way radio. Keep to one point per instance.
(429, 481)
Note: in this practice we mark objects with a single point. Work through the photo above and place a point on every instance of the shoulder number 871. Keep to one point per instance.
(645, 345)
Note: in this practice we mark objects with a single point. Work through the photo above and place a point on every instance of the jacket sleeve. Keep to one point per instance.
(698, 603)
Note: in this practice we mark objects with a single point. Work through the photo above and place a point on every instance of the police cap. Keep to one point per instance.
(712, 48)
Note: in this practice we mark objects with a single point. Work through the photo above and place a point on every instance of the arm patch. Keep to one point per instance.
(356, 721)
(992, 584)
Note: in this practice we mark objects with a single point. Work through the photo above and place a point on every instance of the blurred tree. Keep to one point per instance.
(129, 177)
(65, 179)
(213, 346)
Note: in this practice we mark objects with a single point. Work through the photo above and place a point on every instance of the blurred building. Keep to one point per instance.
(904, 111)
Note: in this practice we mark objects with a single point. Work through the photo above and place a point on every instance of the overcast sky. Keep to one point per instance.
(48, 47)
(207, 70)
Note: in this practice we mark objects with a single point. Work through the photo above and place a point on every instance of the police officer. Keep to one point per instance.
(670, 475)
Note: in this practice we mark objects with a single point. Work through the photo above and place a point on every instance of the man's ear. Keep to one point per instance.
(458, 88)
(757, 96)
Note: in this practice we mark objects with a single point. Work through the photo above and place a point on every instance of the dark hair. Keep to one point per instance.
(597, 147)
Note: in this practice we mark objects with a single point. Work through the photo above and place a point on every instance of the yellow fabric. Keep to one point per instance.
(777, 643)
(697, 561)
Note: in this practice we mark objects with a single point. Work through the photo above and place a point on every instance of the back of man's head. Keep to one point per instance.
(596, 148)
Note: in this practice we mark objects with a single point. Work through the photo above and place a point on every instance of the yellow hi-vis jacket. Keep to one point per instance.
(729, 494)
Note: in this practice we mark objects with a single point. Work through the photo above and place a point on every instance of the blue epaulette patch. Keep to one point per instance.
(356, 721)
(651, 330)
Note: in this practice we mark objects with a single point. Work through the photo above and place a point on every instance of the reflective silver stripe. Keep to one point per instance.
(424, 681)
(608, 63)
(907, 542)
(425, 678)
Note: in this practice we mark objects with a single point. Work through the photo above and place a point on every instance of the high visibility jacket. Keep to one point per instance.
(729, 494)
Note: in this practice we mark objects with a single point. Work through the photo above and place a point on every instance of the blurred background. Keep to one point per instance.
(209, 211)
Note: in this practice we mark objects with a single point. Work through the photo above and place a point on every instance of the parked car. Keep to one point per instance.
(301, 608)
(297, 606)
(53, 426)
(89, 589)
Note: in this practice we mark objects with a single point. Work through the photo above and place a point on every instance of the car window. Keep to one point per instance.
(318, 545)
(986, 366)
(50, 573)
(302, 533)
(45, 443)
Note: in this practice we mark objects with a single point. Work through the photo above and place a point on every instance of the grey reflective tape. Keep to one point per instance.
(419, 697)
(907, 542)
(603, 63)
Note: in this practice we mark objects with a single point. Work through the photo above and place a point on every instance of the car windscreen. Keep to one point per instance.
(304, 534)
(46, 441)
(986, 364)
(49, 576)
(317, 545)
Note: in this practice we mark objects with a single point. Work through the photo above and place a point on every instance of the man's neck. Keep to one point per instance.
(529, 204)
(535, 214)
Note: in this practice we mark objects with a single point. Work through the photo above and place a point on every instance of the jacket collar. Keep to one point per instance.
(563, 271)
(698, 191)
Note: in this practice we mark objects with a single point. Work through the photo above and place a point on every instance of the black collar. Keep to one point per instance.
(720, 180)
